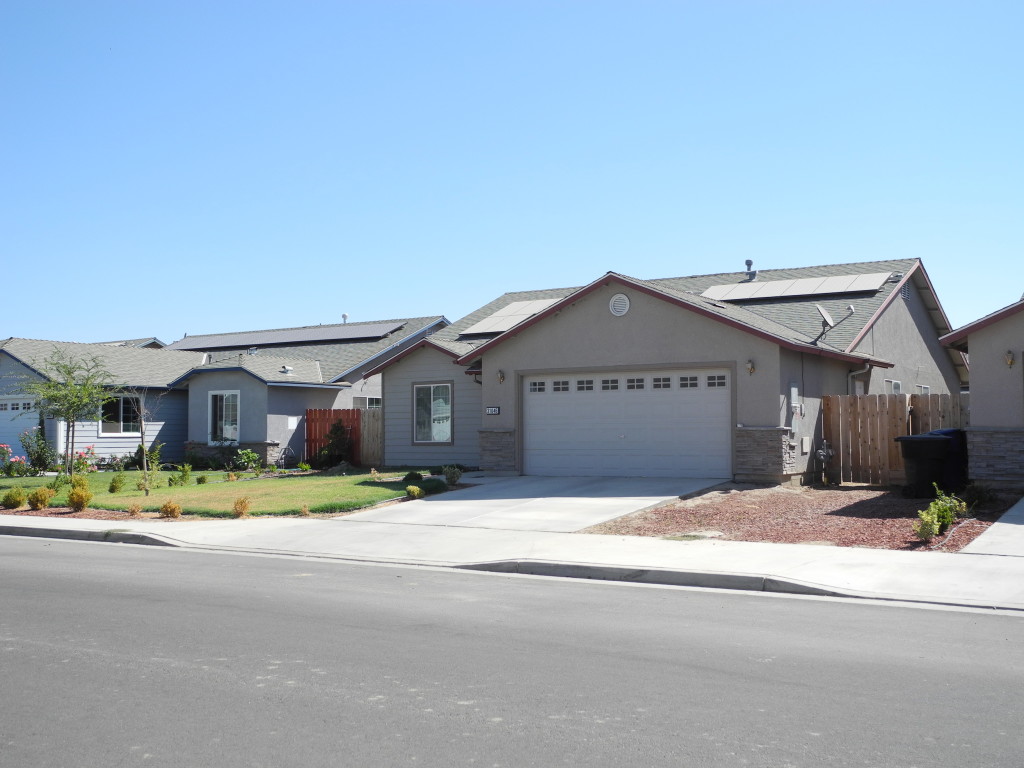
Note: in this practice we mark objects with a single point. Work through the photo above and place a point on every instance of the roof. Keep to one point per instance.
(270, 369)
(958, 338)
(339, 354)
(152, 342)
(128, 366)
(789, 320)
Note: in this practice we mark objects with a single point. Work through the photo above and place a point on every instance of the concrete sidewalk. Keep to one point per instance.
(963, 579)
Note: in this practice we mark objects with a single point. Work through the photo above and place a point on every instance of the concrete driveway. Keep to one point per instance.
(551, 504)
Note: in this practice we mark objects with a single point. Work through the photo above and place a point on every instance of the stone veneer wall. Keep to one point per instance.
(269, 453)
(498, 450)
(764, 454)
(996, 456)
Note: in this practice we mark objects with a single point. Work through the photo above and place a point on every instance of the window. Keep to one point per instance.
(584, 385)
(433, 413)
(635, 383)
(893, 387)
(609, 385)
(224, 417)
(3, 406)
(923, 389)
(688, 382)
(716, 380)
(662, 382)
(560, 386)
(15, 406)
(120, 416)
(374, 402)
(536, 386)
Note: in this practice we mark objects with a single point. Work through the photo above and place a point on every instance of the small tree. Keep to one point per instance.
(72, 389)
(146, 404)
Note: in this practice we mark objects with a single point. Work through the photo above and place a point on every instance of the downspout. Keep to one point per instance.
(851, 374)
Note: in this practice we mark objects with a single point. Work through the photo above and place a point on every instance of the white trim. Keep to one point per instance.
(209, 416)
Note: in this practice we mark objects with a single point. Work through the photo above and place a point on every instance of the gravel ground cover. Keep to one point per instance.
(844, 516)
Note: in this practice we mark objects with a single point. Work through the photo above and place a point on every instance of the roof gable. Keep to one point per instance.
(958, 338)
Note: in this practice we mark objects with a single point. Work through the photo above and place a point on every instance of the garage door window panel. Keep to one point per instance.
(432, 404)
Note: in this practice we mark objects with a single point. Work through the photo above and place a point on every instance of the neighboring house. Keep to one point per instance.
(256, 386)
(149, 343)
(116, 431)
(707, 376)
(995, 437)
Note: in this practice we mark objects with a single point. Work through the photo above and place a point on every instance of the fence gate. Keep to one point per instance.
(861, 430)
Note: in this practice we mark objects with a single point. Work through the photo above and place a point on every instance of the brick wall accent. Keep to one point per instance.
(764, 454)
(996, 456)
(498, 450)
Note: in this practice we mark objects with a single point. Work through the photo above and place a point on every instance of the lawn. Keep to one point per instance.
(280, 495)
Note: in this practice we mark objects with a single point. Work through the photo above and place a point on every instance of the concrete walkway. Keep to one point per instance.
(991, 575)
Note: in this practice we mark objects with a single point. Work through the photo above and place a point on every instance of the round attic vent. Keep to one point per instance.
(619, 304)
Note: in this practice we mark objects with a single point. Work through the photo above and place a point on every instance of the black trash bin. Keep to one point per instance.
(937, 457)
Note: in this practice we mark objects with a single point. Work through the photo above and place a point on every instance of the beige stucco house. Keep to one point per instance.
(706, 376)
(995, 438)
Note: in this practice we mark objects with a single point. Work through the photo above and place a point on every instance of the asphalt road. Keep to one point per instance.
(112, 655)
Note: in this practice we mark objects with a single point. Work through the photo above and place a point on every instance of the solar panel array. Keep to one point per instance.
(509, 316)
(289, 336)
(806, 286)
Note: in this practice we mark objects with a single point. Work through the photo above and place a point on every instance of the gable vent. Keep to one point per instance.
(619, 304)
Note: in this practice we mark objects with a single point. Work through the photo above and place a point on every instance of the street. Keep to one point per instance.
(116, 655)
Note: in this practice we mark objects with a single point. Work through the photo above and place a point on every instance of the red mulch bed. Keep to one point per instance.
(844, 516)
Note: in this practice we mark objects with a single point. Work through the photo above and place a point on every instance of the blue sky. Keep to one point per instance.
(199, 167)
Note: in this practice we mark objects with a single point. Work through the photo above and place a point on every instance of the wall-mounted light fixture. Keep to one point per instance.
(750, 367)
(1009, 358)
(501, 377)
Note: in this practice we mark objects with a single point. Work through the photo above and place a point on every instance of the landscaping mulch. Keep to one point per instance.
(844, 516)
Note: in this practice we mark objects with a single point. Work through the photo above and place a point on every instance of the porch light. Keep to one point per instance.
(1009, 358)
(750, 367)
(501, 377)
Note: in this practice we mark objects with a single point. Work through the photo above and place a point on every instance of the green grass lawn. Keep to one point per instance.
(283, 495)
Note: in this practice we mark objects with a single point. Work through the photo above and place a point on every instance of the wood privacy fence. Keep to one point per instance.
(861, 430)
(366, 428)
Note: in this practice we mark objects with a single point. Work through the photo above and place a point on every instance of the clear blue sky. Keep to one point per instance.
(199, 167)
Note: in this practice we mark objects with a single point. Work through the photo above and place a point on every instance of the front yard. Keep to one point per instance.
(844, 516)
(272, 495)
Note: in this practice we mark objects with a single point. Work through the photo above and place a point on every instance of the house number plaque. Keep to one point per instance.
(492, 410)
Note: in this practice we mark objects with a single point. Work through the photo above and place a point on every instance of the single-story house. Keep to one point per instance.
(995, 437)
(247, 390)
(717, 376)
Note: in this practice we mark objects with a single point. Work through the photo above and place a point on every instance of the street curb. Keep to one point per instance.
(675, 578)
(112, 535)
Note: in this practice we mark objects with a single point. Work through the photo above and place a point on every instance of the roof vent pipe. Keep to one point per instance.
(751, 272)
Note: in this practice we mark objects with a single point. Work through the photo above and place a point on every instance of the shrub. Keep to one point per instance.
(304, 512)
(134, 509)
(231, 477)
(241, 506)
(202, 480)
(170, 508)
(412, 477)
(434, 485)
(272, 468)
(58, 482)
(80, 482)
(927, 528)
(452, 474)
(414, 492)
(13, 499)
(338, 448)
(940, 514)
(38, 452)
(248, 460)
(40, 498)
(303, 467)
(79, 498)
(116, 482)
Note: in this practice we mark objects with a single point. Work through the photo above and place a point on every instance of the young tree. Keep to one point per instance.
(73, 389)
(146, 404)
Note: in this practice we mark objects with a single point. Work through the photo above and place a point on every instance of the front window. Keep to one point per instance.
(224, 417)
(121, 415)
(433, 406)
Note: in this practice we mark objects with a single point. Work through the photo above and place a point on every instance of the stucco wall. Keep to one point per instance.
(421, 367)
(252, 405)
(897, 337)
(287, 406)
(997, 390)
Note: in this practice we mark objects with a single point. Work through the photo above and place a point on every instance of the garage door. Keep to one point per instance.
(671, 423)
(16, 415)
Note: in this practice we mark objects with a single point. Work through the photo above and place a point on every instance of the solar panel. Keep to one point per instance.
(289, 336)
(509, 316)
(805, 286)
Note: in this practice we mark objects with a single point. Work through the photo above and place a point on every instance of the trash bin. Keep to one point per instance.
(937, 457)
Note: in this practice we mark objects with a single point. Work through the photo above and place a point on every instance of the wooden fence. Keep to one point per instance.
(861, 430)
(366, 428)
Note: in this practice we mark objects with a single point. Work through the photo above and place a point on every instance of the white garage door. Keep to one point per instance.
(671, 423)
(16, 416)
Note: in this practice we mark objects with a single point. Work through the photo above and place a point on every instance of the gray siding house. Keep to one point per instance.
(706, 376)
(995, 437)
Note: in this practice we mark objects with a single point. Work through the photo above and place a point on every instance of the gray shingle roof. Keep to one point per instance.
(338, 358)
(128, 366)
(269, 368)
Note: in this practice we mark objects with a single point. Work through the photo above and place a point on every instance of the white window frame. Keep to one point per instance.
(893, 387)
(120, 416)
(374, 402)
(210, 433)
(435, 418)
(923, 389)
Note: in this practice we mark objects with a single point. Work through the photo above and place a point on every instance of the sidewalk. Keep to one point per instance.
(988, 574)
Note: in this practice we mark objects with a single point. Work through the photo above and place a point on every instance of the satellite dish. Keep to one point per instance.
(826, 318)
